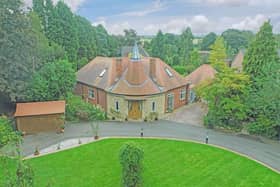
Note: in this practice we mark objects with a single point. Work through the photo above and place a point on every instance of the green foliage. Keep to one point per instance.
(226, 96)
(263, 65)
(24, 175)
(15, 49)
(185, 46)
(52, 82)
(77, 109)
(7, 134)
(44, 51)
(130, 36)
(207, 41)
(236, 40)
(218, 55)
(194, 61)
(131, 156)
(277, 36)
(262, 53)
(180, 69)
(171, 48)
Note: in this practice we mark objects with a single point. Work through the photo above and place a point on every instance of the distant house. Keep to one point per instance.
(132, 88)
(203, 73)
(204, 55)
(40, 116)
(237, 62)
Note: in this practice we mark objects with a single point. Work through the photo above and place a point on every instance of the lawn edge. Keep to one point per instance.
(159, 138)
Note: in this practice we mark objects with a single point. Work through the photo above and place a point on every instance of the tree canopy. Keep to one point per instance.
(52, 82)
(236, 40)
(263, 65)
(218, 56)
(225, 94)
(207, 41)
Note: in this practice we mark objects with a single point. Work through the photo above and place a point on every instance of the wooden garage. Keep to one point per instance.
(38, 117)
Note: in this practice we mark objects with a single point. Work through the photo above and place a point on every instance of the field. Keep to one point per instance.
(166, 163)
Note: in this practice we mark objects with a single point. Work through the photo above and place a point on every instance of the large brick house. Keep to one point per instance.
(135, 88)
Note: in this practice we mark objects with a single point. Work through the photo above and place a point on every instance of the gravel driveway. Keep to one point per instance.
(191, 114)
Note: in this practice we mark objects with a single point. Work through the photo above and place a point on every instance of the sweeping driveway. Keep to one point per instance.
(267, 151)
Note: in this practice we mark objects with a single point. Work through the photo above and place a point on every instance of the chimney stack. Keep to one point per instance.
(153, 68)
(119, 68)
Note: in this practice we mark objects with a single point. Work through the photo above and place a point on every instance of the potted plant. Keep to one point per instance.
(36, 152)
(62, 128)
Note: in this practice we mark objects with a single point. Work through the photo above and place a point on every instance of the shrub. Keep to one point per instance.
(7, 134)
(79, 110)
(131, 156)
(180, 69)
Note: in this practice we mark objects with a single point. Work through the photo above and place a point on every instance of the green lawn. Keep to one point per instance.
(166, 163)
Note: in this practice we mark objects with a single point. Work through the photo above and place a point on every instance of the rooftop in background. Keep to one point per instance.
(237, 62)
(40, 108)
(203, 73)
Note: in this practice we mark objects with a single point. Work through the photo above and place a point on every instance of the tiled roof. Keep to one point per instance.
(238, 60)
(202, 73)
(40, 108)
(135, 77)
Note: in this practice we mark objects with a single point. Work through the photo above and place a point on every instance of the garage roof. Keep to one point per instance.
(40, 108)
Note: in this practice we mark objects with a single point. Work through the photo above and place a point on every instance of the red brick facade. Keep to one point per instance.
(178, 102)
(99, 95)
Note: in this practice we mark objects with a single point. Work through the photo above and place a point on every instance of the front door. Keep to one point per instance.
(134, 110)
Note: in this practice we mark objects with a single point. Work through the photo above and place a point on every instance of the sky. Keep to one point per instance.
(173, 16)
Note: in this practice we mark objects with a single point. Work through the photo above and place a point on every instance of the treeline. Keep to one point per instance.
(44, 34)
(248, 100)
(181, 51)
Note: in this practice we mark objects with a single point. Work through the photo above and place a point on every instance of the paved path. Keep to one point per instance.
(191, 114)
(268, 153)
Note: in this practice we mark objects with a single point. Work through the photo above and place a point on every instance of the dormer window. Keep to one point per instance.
(168, 72)
(102, 73)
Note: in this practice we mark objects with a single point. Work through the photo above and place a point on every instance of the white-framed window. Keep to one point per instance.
(91, 94)
(153, 106)
(117, 106)
(183, 94)
(170, 102)
(169, 73)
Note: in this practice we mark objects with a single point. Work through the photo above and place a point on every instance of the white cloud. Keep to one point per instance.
(240, 2)
(157, 6)
(199, 24)
(115, 28)
(227, 2)
(251, 23)
(100, 21)
(73, 4)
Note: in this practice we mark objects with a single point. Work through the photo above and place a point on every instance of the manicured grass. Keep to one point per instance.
(166, 163)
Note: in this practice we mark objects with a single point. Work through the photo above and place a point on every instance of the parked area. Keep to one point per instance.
(191, 114)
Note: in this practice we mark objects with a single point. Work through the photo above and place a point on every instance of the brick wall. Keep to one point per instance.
(177, 101)
(99, 95)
